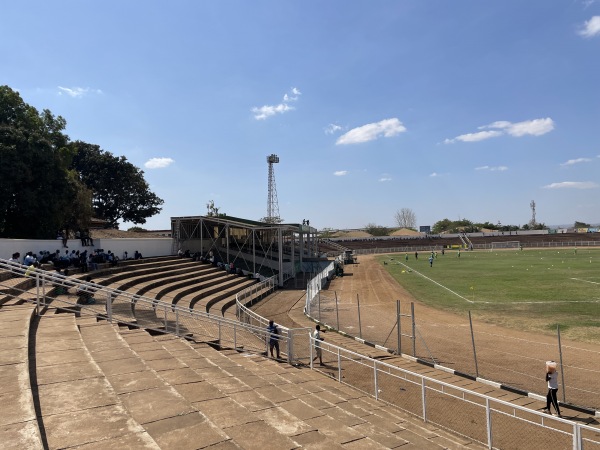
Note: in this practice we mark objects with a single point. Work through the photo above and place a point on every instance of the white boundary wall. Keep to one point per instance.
(146, 246)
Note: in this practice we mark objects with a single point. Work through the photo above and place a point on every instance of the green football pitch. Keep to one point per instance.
(531, 289)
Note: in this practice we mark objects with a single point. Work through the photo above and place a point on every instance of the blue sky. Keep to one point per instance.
(454, 109)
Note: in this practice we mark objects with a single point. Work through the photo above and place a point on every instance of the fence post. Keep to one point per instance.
(109, 306)
(488, 421)
(359, 324)
(43, 289)
(37, 294)
(166, 326)
(339, 365)
(319, 303)
(177, 322)
(414, 333)
(473, 342)
(235, 338)
(398, 327)
(311, 345)
(424, 399)
(290, 346)
(562, 370)
(375, 379)
(577, 442)
(337, 313)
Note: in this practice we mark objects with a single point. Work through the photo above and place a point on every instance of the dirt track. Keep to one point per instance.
(504, 355)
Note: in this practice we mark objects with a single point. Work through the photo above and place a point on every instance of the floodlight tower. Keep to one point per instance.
(272, 203)
(532, 206)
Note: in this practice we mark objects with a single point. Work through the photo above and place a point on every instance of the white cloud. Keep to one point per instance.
(332, 128)
(573, 185)
(266, 111)
(270, 110)
(492, 169)
(575, 161)
(158, 163)
(591, 28)
(340, 173)
(474, 137)
(372, 131)
(434, 174)
(385, 178)
(77, 92)
(535, 127)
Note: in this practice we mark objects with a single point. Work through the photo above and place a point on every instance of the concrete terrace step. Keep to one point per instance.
(229, 400)
(172, 291)
(207, 292)
(171, 420)
(151, 289)
(77, 405)
(18, 424)
(121, 279)
(305, 405)
(224, 294)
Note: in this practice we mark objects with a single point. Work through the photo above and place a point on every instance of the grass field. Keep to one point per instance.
(532, 289)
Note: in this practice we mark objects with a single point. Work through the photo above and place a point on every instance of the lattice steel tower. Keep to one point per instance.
(532, 205)
(272, 203)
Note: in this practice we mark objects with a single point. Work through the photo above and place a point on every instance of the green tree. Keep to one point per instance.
(119, 190)
(376, 230)
(37, 191)
(212, 210)
(581, 224)
(441, 226)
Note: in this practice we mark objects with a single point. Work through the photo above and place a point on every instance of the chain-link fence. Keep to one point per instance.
(462, 346)
(489, 421)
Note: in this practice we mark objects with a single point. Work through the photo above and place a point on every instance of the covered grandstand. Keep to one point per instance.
(267, 249)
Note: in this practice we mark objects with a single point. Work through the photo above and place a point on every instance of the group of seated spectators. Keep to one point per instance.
(70, 259)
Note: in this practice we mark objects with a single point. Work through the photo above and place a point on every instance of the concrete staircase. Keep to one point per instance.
(83, 382)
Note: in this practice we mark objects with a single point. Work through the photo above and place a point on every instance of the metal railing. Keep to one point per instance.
(484, 419)
(46, 289)
(492, 422)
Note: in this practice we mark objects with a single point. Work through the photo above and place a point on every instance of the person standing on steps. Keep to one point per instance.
(317, 337)
(552, 379)
(273, 338)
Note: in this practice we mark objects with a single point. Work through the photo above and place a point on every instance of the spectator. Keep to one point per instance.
(273, 338)
(137, 255)
(29, 259)
(93, 265)
(317, 337)
(85, 293)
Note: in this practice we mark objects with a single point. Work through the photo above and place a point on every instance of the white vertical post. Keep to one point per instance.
(311, 345)
(488, 420)
(37, 294)
(177, 322)
(375, 379)
(424, 399)
(43, 289)
(339, 365)
(109, 306)
(577, 442)
(234, 337)
(290, 346)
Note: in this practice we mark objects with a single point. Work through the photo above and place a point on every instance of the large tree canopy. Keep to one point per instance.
(119, 190)
(48, 183)
(36, 191)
